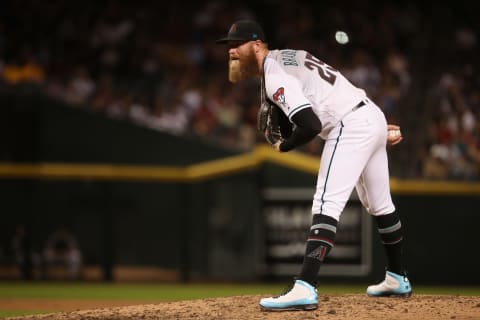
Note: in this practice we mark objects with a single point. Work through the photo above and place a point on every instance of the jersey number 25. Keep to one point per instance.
(325, 72)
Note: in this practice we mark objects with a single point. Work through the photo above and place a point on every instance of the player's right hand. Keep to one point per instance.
(394, 135)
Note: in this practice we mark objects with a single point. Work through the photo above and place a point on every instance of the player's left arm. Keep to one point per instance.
(307, 127)
(285, 91)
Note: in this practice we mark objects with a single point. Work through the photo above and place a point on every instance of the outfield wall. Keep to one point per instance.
(137, 197)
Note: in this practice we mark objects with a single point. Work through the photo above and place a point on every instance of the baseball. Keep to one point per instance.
(394, 133)
(341, 37)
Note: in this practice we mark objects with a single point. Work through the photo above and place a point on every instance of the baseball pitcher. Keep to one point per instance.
(303, 97)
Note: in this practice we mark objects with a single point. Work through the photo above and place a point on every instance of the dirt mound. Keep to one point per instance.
(345, 307)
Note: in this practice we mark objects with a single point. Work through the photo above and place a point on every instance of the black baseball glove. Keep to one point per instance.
(273, 122)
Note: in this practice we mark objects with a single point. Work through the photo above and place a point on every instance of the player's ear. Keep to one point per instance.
(259, 45)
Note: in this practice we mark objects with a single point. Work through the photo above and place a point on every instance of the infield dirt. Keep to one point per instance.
(345, 307)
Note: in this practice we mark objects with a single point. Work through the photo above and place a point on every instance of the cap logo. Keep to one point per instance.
(243, 30)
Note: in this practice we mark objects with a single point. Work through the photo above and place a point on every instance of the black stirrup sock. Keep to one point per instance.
(320, 240)
(391, 233)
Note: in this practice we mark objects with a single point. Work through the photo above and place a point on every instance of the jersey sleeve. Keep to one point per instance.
(285, 91)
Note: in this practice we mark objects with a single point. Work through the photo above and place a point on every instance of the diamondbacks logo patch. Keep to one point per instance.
(279, 95)
(319, 253)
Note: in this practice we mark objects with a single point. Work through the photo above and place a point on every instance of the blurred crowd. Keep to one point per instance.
(156, 64)
(452, 144)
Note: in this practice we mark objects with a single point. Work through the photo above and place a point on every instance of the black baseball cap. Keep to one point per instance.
(244, 30)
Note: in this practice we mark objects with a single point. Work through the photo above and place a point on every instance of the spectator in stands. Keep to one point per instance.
(23, 69)
(61, 249)
(80, 86)
(23, 254)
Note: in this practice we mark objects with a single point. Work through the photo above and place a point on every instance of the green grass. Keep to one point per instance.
(170, 292)
(163, 292)
(447, 290)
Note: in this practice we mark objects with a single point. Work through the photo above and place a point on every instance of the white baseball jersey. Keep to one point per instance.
(295, 79)
(354, 154)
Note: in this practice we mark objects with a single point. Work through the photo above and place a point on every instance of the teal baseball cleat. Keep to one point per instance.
(393, 285)
(302, 296)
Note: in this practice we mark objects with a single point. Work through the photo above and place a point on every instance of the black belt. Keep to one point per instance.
(359, 105)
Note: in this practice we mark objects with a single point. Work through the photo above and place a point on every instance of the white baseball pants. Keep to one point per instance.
(355, 155)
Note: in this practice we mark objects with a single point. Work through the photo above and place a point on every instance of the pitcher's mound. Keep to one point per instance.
(345, 307)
